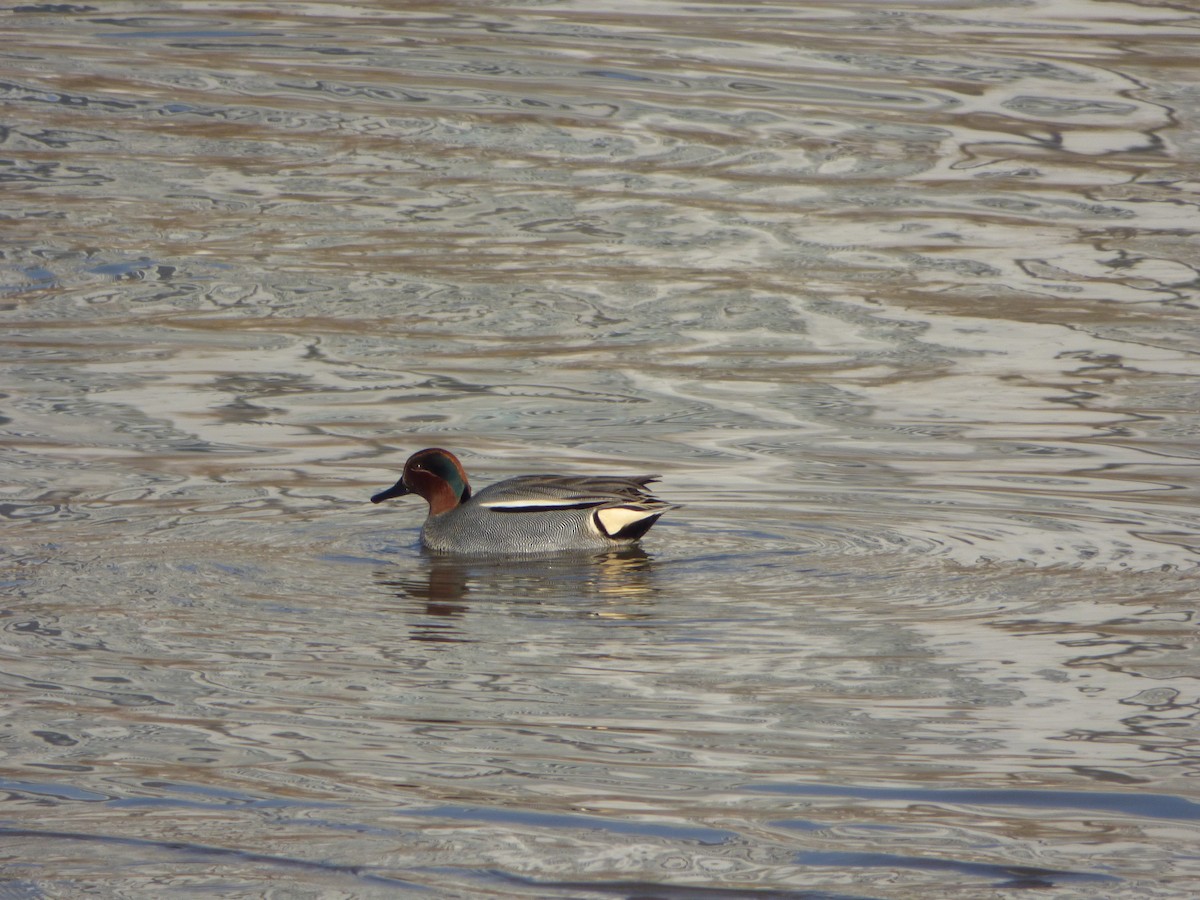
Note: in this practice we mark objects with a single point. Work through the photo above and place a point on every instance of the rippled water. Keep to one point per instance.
(899, 298)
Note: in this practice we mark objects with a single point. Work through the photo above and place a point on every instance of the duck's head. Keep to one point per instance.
(434, 474)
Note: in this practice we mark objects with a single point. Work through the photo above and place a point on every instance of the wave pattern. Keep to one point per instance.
(900, 300)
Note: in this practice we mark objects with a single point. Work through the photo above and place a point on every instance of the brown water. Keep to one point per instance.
(900, 298)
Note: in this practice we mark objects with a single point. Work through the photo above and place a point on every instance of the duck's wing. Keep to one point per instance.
(547, 492)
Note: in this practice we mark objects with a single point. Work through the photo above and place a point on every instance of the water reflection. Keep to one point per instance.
(615, 584)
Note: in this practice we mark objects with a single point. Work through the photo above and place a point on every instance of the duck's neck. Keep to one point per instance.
(441, 495)
(442, 498)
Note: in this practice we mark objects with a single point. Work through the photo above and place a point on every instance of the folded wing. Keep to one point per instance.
(624, 509)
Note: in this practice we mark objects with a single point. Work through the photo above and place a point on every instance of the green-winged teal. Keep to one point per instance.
(526, 514)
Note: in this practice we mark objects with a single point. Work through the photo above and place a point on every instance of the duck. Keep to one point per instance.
(526, 514)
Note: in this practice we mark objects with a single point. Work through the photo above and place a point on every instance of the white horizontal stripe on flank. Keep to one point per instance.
(545, 504)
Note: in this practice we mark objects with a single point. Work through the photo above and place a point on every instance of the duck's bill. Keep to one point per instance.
(396, 490)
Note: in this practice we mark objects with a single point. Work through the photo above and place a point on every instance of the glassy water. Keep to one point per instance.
(899, 298)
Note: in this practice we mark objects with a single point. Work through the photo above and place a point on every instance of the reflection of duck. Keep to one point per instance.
(527, 514)
(615, 584)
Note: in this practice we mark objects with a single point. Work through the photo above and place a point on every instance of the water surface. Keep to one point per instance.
(900, 299)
